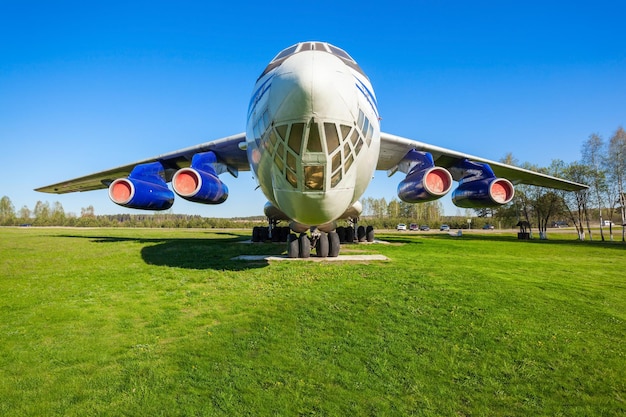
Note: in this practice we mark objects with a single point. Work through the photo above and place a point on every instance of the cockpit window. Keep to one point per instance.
(313, 46)
(340, 52)
(295, 137)
(314, 144)
(314, 177)
(285, 53)
(332, 140)
(318, 152)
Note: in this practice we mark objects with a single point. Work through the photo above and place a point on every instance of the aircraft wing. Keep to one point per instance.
(394, 148)
(226, 149)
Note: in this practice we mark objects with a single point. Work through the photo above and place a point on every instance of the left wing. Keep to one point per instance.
(226, 149)
(394, 148)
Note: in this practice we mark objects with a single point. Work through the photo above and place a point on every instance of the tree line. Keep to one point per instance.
(44, 214)
(602, 167)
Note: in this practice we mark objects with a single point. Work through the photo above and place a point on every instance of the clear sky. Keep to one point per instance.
(87, 86)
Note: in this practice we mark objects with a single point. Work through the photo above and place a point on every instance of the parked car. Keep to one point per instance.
(401, 226)
(488, 227)
(444, 228)
(413, 226)
(424, 228)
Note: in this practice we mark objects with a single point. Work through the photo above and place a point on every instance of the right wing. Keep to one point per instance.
(227, 151)
(394, 148)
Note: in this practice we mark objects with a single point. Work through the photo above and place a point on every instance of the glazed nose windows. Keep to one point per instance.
(320, 151)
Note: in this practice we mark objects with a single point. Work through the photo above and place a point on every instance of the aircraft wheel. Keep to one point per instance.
(255, 234)
(350, 234)
(321, 247)
(334, 244)
(369, 233)
(305, 246)
(341, 232)
(360, 234)
(293, 248)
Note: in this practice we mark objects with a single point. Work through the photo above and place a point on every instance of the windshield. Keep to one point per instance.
(312, 46)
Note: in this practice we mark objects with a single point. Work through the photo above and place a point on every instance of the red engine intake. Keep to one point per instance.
(143, 189)
(425, 185)
(487, 192)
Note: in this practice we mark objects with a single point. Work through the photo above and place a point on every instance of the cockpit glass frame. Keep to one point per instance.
(313, 46)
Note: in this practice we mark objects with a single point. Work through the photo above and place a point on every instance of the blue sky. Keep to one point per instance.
(87, 86)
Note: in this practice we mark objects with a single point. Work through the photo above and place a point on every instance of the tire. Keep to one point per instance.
(321, 247)
(341, 232)
(255, 234)
(360, 233)
(265, 233)
(305, 246)
(293, 248)
(350, 234)
(369, 233)
(334, 244)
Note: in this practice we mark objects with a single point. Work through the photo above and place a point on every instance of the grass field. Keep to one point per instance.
(146, 322)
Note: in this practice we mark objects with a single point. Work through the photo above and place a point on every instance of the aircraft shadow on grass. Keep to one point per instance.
(552, 240)
(199, 254)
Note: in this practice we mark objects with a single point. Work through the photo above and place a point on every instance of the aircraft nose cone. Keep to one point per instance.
(315, 84)
(313, 208)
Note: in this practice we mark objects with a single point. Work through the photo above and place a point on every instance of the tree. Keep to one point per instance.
(24, 214)
(42, 213)
(87, 211)
(616, 165)
(576, 203)
(7, 211)
(594, 156)
(57, 217)
(393, 209)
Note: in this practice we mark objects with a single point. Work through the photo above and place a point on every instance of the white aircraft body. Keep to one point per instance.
(313, 141)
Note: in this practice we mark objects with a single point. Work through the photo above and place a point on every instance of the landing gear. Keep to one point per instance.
(326, 245)
(299, 246)
(334, 245)
(321, 247)
(270, 233)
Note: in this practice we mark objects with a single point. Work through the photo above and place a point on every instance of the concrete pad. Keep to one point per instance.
(340, 258)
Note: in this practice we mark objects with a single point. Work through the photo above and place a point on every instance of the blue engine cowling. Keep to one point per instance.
(422, 185)
(200, 183)
(144, 189)
(482, 193)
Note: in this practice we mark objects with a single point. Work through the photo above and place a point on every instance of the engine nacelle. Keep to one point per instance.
(482, 193)
(200, 183)
(144, 189)
(425, 185)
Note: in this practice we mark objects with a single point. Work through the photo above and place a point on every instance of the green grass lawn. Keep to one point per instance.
(163, 323)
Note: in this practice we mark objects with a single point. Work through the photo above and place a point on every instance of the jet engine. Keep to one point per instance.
(144, 189)
(424, 181)
(200, 183)
(425, 185)
(479, 187)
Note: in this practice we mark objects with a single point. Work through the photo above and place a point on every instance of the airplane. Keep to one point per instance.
(313, 141)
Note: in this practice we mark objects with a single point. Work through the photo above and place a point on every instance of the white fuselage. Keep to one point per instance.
(313, 133)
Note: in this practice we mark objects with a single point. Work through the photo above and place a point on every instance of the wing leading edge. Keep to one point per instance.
(226, 149)
(393, 149)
